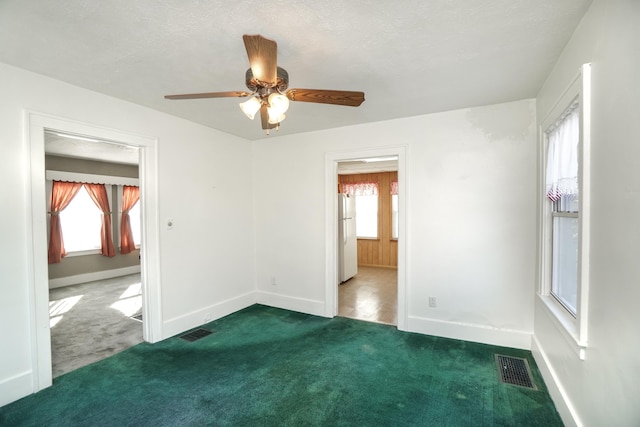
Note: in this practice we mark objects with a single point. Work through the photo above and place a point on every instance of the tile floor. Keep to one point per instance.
(371, 295)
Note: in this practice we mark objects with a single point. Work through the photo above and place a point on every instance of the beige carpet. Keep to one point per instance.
(91, 321)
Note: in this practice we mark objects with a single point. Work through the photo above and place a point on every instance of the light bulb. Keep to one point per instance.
(250, 107)
(273, 119)
(278, 103)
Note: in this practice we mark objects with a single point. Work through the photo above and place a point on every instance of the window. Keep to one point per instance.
(394, 216)
(81, 223)
(564, 257)
(367, 216)
(564, 266)
(563, 194)
(366, 194)
(394, 209)
(134, 218)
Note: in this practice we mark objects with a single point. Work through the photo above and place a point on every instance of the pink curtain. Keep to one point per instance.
(130, 196)
(394, 188)
(98, 194)
(61, 195)
(360, 188)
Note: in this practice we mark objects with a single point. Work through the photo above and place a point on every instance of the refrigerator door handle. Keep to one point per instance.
(345, 225)
(344, 207)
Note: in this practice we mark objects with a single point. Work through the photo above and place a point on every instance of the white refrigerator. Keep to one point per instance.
(347, 243)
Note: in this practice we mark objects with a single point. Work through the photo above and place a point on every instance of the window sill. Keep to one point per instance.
(83, 253)
(566, 324)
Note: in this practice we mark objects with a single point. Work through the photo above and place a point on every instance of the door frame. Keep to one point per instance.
(331, 214)
(35, 126)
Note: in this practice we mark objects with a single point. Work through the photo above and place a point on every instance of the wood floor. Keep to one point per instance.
(371, 295)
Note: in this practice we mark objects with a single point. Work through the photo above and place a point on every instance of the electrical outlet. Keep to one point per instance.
(432, 302)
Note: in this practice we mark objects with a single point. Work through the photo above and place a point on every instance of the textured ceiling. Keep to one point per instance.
(89, 148)
(410, 57)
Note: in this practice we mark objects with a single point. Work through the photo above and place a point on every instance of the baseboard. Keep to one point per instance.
(90, 277)
(196, 318)
(470, 332)
(388, 267)
(301, 305)
(556, 391)
(16, 387)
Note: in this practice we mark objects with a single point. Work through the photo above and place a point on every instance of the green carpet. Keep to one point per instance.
(269, 367)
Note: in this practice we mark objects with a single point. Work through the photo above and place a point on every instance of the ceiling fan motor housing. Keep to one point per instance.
(265, 88)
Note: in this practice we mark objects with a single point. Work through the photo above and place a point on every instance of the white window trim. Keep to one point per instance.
(72, 254)
(573, 329)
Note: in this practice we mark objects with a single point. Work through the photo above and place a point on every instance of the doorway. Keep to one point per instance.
(38, 124)
(371, 295)
(333, 163)
(93, 298)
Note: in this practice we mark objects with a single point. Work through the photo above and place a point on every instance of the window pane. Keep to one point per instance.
(564, 281)
(394, 216)
(568, 203)
(81, 223)
(134, 219)
(367, 216)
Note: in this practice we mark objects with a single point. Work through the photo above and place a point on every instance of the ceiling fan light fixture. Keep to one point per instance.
(269, 87)
(250, 107)
(275, 120)
(278, 104)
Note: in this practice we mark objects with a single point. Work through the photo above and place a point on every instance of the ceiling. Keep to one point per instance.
(369, 165)
(67, 145)
(410, 57)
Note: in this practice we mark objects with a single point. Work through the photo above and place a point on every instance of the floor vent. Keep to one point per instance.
(514, 370)
(195, 335)
(137, 317)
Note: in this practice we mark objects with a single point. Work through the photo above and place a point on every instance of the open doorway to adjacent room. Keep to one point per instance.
(369, 290)
(95, 298)
(147, 287)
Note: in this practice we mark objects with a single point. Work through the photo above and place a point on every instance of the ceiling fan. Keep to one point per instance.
(268, 84)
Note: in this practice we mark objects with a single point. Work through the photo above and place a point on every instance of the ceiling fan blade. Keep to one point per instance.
(263, 55)
(209, 95)
(264, 117)
(321, 96)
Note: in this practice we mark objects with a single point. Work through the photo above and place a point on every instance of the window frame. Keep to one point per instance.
(573, 328)
(97, 251)
(394, 218)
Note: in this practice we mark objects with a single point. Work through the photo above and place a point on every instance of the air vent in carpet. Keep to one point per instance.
(195, 335)
(514, 370)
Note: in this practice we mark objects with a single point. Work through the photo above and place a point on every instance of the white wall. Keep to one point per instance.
(206, 261)
(471, 218)
(604, 388)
